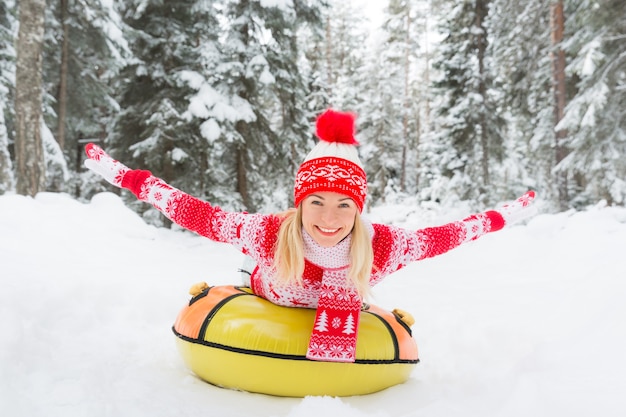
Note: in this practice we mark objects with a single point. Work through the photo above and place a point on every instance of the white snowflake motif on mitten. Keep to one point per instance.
(520, 209)
(101, 163)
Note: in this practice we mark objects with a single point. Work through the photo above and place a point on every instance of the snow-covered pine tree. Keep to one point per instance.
(292, 119)
(313, 69)
(470, 126)
(520, 50)
(154, 129)
(595, 117)
(263, 139)
(343, 53)
(391, 118)
(83, 50)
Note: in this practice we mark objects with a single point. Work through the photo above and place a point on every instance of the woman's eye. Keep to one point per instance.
(316, 203)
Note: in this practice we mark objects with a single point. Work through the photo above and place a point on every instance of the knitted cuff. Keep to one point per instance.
(496, 219)
(134, 179)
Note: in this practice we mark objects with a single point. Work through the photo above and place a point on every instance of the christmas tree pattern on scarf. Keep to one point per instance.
(336, 321)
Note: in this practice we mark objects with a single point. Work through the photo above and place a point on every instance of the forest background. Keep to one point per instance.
(457, 100)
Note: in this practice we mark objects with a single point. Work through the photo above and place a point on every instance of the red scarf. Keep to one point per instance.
(334, 333)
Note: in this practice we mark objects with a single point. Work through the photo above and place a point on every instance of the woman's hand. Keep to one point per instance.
(520, 209)
(102, 164)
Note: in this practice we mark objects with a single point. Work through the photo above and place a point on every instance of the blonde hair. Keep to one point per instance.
(289, 252)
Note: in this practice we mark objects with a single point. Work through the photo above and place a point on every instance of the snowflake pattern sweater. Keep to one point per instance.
(324, 280)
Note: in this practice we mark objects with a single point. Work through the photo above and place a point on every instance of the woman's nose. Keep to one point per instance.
(329, 215)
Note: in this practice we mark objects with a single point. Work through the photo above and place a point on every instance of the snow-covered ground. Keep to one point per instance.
(529, 321)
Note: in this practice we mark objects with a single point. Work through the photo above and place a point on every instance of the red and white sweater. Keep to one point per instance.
(324, 280)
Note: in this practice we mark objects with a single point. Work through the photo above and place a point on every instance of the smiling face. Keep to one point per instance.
(328, 217)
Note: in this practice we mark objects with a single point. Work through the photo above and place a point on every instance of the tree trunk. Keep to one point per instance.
(242, 183)
(481, 43)
(425, 98)
(407, 104)
(329, 53)
(62, 98)
(31, 169)
(418, 140)
(241, 165)
(557, 28)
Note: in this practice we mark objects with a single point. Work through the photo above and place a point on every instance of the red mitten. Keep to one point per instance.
(114, 171)
(520, 209)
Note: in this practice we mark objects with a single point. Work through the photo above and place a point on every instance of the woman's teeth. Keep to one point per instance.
(327, 230)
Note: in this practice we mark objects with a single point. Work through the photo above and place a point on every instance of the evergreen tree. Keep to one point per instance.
(262, 142)
(82, 53)
(391, 118)
(470, 125)
(380, 119)
(344, 48)
(293, 118)
(595, 118)
(154, 129)
(333, 59)
(312, 68)
(520, 47)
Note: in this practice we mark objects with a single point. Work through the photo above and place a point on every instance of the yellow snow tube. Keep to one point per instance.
(232, 338)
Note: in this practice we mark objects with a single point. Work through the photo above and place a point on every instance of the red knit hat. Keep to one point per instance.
(333, 164)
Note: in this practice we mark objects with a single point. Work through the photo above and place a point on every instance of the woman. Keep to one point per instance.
(323, 254)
